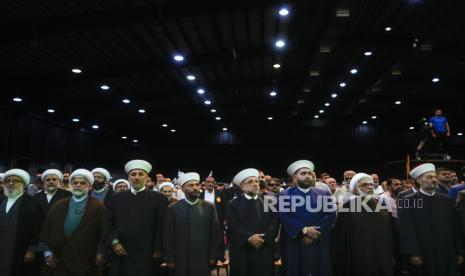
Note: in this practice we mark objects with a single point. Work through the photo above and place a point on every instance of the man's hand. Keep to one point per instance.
(156, 254)
(434, 135)
(99, 259)
(256, 240)
(306, 240)
(448, 134)
(29, 257)
(119, 250)
(171, 265)
(51, 261)
(313, 232)
(416, 260)
(460, 260)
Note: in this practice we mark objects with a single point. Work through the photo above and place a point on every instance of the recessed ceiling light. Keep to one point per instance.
(178, 58)
(342, 13)
(374, 117)
(321, 111)
(300, 101)
(126, 101)
(388, 29)
(364, 122)
(225, 129)
(50, 110)
(191, 77)
(273, 93)
(316, 116)
(368, 53)
(334, 95)
(95, 126)
(217, 118)
(353, 71)
(314, 73)
(212, 110)
(411, 128)
(135, 141)
(124, 137)
(207, 102)
(397, 102)
(342, 84)
(141, 110)
(280, 43)
(104, 87)
(76, 71)
(283, 12)
(276, 65)
(76, 120)
(17, 100)
(200, 91)
(270, 118)
(460, 134)
(435, 79)
(325, 49)
(327, 104)
(173, 130)
(164, 125)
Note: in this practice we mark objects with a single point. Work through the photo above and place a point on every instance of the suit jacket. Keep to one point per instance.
(220, 205)
(44, 205)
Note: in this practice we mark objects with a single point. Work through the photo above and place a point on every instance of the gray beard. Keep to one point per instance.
(12, 194)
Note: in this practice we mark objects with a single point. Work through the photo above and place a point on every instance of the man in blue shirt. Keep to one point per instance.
(439, 130)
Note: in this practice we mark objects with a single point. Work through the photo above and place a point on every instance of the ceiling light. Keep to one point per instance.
(212, 110)
(300, 101)
(276, 65)
(225, 129)
(280, 43)
(17, 100)
(314, 73)
(270, 118)
(364, 122)
(95, 126)
(164, 125)
(316, 116)
(283, 12)
(325, 49)
(173, 130)
(435, 79)
(200, 91)
(126, 101)
(76, 120)
(327, 104)
(135, 141)
(353, 71)
(218, 118)
(388, 29)
(178, 58)
(207, 102)
(51, 110)
(321, 111)
(397, 102)
(342, 84)
(334, 95)
(273, 93)
(460, 134)
(124, 137)
(191, 77)
(368, 53)
(374, 117)
(141, 110)
(104, 87)
(411, 128)
(76, 71)
(342, 13)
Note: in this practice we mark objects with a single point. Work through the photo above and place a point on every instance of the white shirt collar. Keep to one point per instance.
(207, 192)
(250, 197)
(13, 199)
(133, 191)
(100, 191)
(303, 190)
(427, 194)
(191, 203)
(51, 194)
(75, 199)
(414, 190)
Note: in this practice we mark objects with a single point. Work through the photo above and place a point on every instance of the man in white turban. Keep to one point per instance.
(428, 228)
(52, 180)
(100, 189)
(134, 225)
(20, 220)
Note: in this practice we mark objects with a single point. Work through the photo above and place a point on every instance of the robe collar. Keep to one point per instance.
(134, 192)
(75, 199)
(427, 194)
(191, 203)
(303, 190)
(250, 197)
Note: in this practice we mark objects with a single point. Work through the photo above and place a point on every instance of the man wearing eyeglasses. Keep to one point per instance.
(343, 194)
(274, 186)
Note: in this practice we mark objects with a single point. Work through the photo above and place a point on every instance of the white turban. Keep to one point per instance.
(102, 171)
(424, 168)
(297, 165)
(138, 164)
(118, 181)
(19, 173)
(84, 173)
(244, 174)
(165, 184)
(186, 177)
(1, 176)
(51, 172)
(357, 178)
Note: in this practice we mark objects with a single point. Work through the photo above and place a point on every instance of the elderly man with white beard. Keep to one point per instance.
(363, 231)
(20, 220)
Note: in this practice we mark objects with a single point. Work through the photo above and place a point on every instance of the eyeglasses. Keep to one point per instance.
(364, 185)
(14, 181)
(348, 178)
(274, 185)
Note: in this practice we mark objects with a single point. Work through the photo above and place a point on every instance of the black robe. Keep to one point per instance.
(245, 218)
(429, 228)
(19, 231)
(220, 206)
(191, 237)
(44, 205)
(362, 243)
(136, 221)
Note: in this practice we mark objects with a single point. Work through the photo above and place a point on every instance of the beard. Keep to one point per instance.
(79, 193)
(192, 196)
(11, 193)
(98, 185)
(51, 189)
(305, 184)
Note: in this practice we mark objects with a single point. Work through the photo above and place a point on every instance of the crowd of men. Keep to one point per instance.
(84, 223)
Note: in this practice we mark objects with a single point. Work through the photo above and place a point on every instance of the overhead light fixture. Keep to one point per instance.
(388, 29)
(321, 111)
(173, 130)
(283, 12)
(126, 101)
(307, 90)
(95, 126)
(397, 102)
(76, 120)
(368, 53)
(353, 71)
(135, 141)
(141, 110)
(316, 116)
(342, 84)
(327, 104)
(280, 43)
(334, 95)
(124, 137)
(104, 87)
(314, 73)
(212, 110)
(17, 100)
(207, 102)
(325, 49)
(164, 125)
(426, 47)
(300, 101)
(276, 65)
(200, 91)
(218, 118)
(374, 117)
(50, 110)
(273, 93)
(411, 128)
(435, 79)
(225, 129)
(364, 122)
(460, 134)
(270, 118)
(396, 72)
(190, 77)
(342, 13)
(178, 58)
(76, 71)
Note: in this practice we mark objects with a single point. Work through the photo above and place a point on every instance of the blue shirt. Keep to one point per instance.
(438, 123)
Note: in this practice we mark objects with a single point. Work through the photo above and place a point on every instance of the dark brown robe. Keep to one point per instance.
(76, 254)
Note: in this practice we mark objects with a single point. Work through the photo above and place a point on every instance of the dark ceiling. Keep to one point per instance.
(229, 46)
